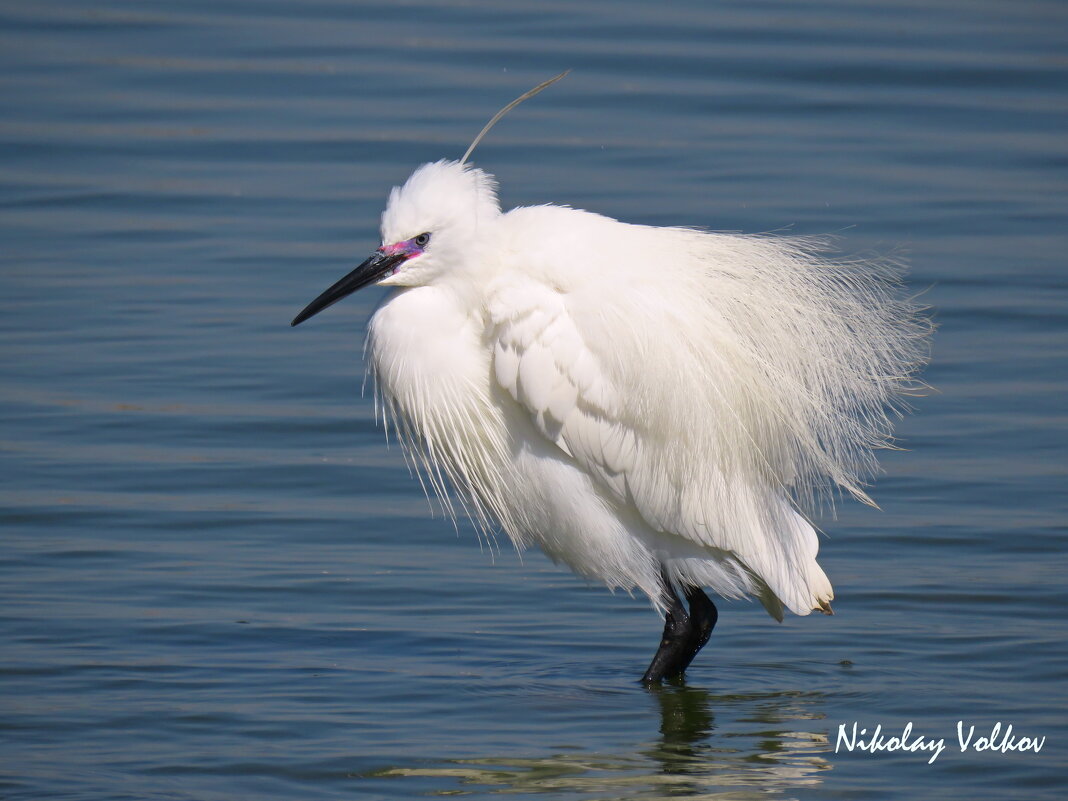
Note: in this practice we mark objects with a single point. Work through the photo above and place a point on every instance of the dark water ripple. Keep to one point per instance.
(217, 582)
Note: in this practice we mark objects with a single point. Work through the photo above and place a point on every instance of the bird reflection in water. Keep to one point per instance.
(686, 723)
(771, 756)
(710, 746)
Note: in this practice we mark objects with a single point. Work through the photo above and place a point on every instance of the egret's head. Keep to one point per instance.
(429, 228)
(434, 219)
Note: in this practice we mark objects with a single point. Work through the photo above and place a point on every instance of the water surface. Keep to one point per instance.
(216, 580)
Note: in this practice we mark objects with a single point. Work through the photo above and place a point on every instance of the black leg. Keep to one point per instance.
(670, 659)
(703, 617)
(684, 633)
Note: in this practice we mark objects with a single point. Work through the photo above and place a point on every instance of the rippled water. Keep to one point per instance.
(218, 583)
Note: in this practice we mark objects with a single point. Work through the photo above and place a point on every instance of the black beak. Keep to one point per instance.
(372, 270)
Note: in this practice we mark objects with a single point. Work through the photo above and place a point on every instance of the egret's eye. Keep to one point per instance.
(422, 240)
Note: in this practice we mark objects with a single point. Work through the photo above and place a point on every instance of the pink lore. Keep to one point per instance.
(408, 248)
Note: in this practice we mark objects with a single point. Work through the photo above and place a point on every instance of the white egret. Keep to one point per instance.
(654, 407)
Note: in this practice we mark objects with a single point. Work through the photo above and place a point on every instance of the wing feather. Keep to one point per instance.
(542, 360)
(715, 383)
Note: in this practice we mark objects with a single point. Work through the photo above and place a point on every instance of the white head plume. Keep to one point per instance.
(496, 117)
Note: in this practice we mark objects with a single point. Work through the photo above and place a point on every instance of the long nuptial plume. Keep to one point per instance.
(496, 117)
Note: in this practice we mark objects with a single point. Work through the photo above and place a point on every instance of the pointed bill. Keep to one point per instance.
(371, 271)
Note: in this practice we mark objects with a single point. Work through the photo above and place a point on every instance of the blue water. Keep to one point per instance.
(216, 582)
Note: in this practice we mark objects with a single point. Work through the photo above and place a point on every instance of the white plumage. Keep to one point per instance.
(654, 407)
(626, 396)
